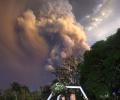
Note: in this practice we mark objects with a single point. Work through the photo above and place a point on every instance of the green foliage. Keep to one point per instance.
(100, 70)
(58, 88)
(17, 92)
(45, 92)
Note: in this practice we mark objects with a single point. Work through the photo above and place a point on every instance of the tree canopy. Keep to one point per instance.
(100, 70)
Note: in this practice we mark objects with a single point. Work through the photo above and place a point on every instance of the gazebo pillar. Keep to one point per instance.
(72, 96)
(63, 98)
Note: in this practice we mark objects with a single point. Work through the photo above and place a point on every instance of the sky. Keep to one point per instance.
(36, 35)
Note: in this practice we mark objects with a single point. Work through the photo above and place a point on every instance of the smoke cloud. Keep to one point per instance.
(32, 37)
(57, 25)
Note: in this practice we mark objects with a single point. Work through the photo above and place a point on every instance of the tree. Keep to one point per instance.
(100, 69)
(68, 72)
(45, 92)
(20, 92)
(16, 87)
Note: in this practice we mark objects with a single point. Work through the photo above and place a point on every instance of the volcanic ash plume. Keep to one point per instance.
(30, 39)
(34, 34)
(56, 25)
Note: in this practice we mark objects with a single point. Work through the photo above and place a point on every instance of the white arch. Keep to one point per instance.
(50, 96)
(58, 97)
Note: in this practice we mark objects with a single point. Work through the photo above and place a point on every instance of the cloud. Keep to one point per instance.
(32, 38)
(19, 60)
(29, 37)
(60, 29)
(101, 24)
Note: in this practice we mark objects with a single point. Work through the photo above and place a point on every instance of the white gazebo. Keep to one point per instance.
(70, 87)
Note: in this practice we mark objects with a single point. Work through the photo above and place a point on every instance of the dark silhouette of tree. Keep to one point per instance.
(100, 69)
(16, 87)
(17, 92)
(45, 92)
